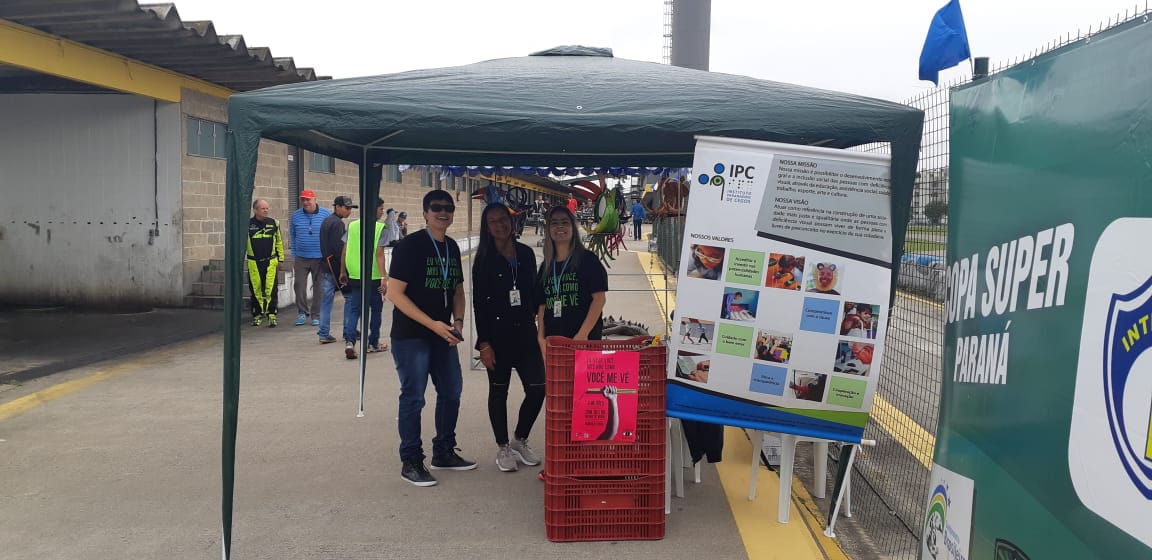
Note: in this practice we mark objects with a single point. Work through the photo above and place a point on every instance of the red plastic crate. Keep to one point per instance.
(561, 366)
(645, 456)
(616, 509)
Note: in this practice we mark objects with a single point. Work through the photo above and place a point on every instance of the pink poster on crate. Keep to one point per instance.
(604, 396)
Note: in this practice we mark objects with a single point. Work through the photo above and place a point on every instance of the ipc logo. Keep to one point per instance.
(716, 180)
(737, 172)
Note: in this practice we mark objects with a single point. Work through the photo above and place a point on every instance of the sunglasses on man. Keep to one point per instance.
(449, 208)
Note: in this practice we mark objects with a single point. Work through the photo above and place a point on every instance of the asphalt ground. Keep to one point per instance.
(37, 341)
(111, 458)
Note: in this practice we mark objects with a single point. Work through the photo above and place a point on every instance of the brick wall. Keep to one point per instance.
(202, 198)
(202, 189)
(407, 196)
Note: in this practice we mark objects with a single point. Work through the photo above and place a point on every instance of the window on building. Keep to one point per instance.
(206, 138)
(428, 179)
(318, 163)
(392, 174)
(450, 183)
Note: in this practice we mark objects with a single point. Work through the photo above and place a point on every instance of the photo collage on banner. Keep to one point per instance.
(790, 317)
(794, 305)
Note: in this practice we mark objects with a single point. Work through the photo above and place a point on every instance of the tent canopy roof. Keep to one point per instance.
(564, 106)
(570, 106)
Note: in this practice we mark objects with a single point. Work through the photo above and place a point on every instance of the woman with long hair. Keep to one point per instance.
(572, 285)
(503, 292)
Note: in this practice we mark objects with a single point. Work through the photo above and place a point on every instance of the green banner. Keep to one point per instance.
(1043, 448)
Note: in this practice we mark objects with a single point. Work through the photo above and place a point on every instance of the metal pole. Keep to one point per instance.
(830, 532)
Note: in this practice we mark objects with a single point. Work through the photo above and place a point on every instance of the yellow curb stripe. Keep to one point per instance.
(28, 402)
(906, 431)
(33, 400)
(920, 299)
(815, 521)
(655, 277)
(764, 537)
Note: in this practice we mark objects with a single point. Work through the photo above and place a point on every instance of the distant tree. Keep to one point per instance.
(935, 210)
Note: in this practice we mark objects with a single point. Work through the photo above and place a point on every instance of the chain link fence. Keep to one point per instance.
(668, 231)
(890, 482)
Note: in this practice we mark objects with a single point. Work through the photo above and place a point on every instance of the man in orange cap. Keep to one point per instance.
(304, 229)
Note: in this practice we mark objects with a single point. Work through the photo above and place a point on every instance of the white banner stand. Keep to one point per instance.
(787, 463)
(677, 458)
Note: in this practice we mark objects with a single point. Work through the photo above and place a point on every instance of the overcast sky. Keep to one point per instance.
(865, 47)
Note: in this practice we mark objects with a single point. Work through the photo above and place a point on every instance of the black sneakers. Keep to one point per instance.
(415, 473)
(452, 462)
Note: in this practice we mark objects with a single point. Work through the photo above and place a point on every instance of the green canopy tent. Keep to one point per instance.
(569, 106)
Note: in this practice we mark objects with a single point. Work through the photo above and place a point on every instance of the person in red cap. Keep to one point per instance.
(304, 230)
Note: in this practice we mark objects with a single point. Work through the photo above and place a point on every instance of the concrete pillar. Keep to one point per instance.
(691, 33)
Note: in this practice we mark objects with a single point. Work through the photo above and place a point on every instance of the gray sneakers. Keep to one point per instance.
(505, 459)
(519, 448)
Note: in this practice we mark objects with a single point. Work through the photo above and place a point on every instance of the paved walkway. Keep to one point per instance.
(121, 458)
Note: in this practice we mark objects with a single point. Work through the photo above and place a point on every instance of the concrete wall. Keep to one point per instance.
(91, 193)
(104, 206)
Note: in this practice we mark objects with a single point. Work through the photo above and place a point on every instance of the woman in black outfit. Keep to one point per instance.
(503, 282)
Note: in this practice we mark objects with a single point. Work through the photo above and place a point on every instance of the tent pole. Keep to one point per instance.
(366, 209)
(470, 309)
(370, 175)
(368, 206)
(238, 191)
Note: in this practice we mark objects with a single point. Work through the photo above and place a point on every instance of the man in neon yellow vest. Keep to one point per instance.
(376, 286)
(265, 251)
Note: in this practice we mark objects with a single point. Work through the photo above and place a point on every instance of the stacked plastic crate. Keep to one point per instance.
(604, 490)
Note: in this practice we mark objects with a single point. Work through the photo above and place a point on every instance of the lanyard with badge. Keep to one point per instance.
(514, 293)
(558, 303)
(443, 265)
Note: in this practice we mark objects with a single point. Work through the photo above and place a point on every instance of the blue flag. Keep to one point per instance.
(946, 44)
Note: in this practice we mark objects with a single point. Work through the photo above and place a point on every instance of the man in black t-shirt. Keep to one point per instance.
(426, 285)
(331, 251)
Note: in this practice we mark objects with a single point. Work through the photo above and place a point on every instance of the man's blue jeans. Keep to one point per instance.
(417, 361)
(327, 298)
(352, 312)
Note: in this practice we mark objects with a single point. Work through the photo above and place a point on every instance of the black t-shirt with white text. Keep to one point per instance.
(432, 272)
(573, 285)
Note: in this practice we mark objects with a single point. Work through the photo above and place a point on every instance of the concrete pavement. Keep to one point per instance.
(122, 458)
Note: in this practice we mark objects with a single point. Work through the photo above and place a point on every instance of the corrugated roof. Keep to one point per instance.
(155, 34)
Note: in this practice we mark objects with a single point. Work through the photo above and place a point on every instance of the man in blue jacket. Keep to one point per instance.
(638, 216)
(304, 229)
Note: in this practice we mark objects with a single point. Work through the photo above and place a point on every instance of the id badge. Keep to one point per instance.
(556, 307)
(514, 297)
